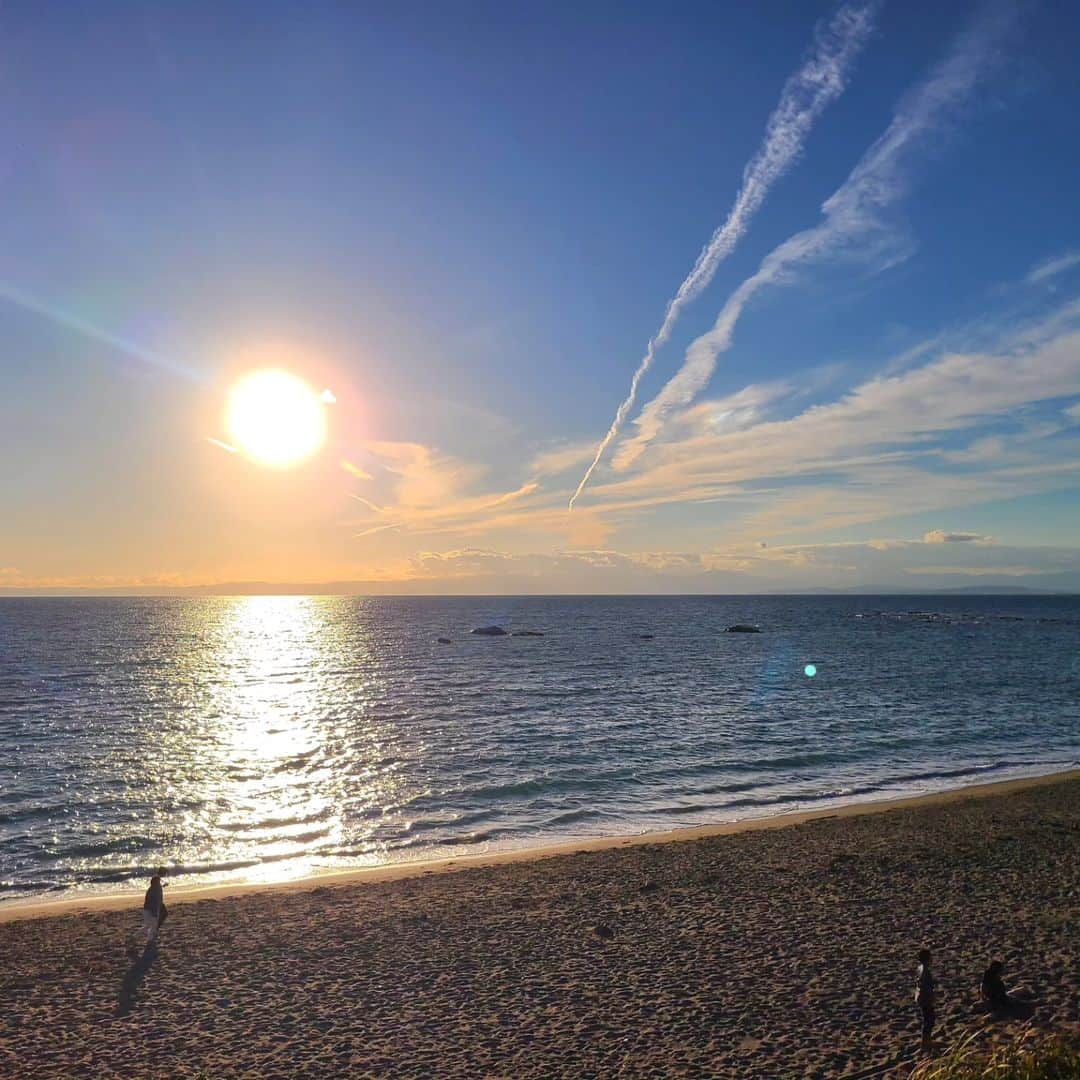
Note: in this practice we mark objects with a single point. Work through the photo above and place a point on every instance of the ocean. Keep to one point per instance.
(266, 738)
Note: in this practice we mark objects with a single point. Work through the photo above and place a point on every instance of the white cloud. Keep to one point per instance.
(1052, 267)
(880, 450)
(888, 562)
(559, 459)
(738, 469)
(375, 529)
(854, 225)
(805, 96)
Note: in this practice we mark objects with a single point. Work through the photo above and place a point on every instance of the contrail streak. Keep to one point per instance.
(376, 529)
(355, 470)
(367, 502)
(805, 96)
(852, 213)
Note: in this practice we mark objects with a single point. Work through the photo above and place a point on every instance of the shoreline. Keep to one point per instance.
(38, 908)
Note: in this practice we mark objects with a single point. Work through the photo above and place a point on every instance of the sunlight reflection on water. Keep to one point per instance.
(267, 703)
(292, 750)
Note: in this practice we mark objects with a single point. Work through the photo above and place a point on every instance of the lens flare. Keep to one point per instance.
(275, 419)
(810, 670)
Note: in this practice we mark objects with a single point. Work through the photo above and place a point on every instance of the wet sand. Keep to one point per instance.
(763, 951)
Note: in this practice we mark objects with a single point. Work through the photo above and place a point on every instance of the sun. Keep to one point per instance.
(275, 419)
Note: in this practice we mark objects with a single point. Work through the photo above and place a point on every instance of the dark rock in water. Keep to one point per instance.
(601, 930)
(743, 628)
(490, 631)
(444, 641)
(646, 637)
(528, 633)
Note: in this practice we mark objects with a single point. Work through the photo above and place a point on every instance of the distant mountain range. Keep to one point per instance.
(902, 590)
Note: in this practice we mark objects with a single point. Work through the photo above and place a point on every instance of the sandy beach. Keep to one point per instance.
(783, 948)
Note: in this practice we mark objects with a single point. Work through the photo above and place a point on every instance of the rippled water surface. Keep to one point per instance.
(267, 737)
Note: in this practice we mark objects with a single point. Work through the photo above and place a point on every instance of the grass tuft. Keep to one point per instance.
(1030, 1056)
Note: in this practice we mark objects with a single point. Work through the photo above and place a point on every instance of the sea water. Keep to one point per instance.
(271, 737)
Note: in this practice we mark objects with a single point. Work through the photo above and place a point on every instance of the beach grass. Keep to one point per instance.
(1030, 1055)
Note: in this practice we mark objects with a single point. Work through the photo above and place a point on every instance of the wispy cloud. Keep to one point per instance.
(853, 225)
(962, 427)
(734, 568)
(893, 562)
(559, 459)
(376, 529)
(432, 491)
(736, 412)
(891, 443)
(513, 496)
(425, 479)
(366, 502)
(355, 470)
(1052, 267)
(805, 96)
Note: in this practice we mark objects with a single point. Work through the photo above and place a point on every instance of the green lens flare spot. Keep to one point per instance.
(810, 670)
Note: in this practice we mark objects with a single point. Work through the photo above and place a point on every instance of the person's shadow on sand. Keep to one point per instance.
(134, 979)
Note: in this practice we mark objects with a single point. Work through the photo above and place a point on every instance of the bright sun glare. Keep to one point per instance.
(275, 418)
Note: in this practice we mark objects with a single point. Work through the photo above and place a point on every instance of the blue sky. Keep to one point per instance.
(468, 219)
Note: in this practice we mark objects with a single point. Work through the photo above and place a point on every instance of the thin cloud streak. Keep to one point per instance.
(355, 470)
(805, 96)
(1052, 267)
(852, 214)
(367, 502)
(376, 529)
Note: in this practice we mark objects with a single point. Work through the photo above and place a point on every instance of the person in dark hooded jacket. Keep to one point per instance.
(1017, 1004)
(153, 909)
(926, 999)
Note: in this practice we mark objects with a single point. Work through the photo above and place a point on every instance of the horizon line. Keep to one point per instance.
(233, 590)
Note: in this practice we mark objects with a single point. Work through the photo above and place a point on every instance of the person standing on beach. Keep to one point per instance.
(153, 909)
(925, 993)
